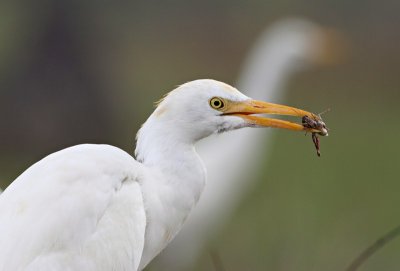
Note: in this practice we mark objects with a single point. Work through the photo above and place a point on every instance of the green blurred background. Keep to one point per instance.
(89, 71)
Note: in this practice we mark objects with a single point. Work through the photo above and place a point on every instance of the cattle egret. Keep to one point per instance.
(94, 207)
(287, 47)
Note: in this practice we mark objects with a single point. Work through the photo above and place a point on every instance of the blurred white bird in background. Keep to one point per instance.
(94, 207)
(285, 48)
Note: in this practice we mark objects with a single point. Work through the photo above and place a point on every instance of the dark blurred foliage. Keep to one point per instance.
(53, 100)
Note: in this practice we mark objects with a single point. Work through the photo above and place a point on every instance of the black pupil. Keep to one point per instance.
(217, 103)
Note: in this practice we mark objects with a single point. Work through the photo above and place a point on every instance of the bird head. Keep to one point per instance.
(305, 43)
(200, 108)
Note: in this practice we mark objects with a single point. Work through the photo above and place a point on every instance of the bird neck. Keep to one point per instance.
(162, 148)
(175, 179)
(269, 65)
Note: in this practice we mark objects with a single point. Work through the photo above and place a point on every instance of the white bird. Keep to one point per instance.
(94, 207)
(285, 48)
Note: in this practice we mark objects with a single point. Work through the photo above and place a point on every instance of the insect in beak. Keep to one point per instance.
(318, 124)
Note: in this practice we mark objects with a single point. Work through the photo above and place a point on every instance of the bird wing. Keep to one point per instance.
(77, 209)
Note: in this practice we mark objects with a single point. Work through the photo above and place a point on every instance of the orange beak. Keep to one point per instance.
(247, 109)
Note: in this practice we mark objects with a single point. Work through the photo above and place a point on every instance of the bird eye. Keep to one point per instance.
(217, 103)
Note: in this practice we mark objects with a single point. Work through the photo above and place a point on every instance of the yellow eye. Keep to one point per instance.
(217, 103)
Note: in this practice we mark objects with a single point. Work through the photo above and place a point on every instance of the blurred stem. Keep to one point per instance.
(369, 251)
(216, 259)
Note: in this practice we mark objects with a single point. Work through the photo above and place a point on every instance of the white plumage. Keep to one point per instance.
(288, 46)
(94, 207)
(63, 212)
